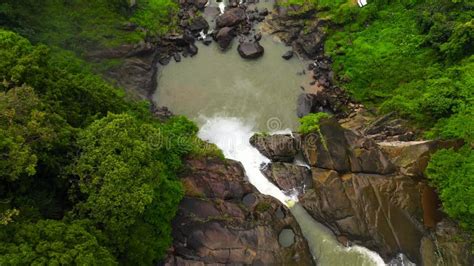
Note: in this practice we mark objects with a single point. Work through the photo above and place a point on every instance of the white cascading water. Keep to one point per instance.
(232, 136)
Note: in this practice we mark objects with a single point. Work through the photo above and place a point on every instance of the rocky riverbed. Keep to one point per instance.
(368, 193)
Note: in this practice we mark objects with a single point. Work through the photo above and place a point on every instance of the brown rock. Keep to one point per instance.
(230, 18)
(224, 220)
(224, 37)
(336, 148)
(289, 176)
(412, 157)
(250, 50)
(279, 148)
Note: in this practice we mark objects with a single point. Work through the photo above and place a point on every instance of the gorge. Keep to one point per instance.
(231, 99)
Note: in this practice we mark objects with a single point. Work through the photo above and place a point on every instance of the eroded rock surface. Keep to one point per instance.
(224, 220)
(280, 148)
(289, 176)
(370, 194)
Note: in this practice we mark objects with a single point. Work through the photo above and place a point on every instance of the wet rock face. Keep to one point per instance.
(371, 194)
(279, 148)
(250, 50)
(288, 176)
(444, 247)
(224, 220)
(376, 211)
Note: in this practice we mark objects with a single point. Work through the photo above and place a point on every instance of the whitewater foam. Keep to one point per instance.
(232, 136)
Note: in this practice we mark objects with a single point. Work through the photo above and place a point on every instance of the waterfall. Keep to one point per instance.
(232, 136)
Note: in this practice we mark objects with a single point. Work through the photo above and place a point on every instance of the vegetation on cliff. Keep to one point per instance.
(86, 176)
(414, 57)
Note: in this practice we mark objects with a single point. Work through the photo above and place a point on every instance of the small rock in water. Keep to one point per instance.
(177, 57)
(287, 55)
(258, 36)
(164, 60)
(192, 49)
(250, 50)
(207, 40)
(224, 37)
(301, 73)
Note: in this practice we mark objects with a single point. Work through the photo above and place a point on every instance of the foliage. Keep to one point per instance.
(78, 25)
(415, 57)
(157, 16)
(27, 131)
(127, 183)
(412, 57)
(7, 216)
(310, 122)
(51, 242)
(452, 172)
(71, 89)
(78, 183)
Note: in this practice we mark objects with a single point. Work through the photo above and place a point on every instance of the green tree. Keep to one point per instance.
(452, 172)
(28, 133)
(126, 176)
(50, 242)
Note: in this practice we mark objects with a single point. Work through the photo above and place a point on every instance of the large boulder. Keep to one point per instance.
(230, 18)
(312, 103)
(412, 157)
(289, 177)
(224, 37)
(336, 148)
(278, 148)
(250, 50)
(198, 24)
(224, 220)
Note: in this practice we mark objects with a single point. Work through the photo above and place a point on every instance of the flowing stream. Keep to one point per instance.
(231, 98)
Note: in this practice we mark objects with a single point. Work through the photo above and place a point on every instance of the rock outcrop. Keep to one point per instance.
(288, 176)
(224, 220)
(372, 194)
(279, 148)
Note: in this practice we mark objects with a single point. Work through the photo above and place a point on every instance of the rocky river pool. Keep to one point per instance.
(231, 98)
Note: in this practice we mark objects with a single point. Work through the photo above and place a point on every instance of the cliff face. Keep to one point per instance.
(372, 193)
(224, 220)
